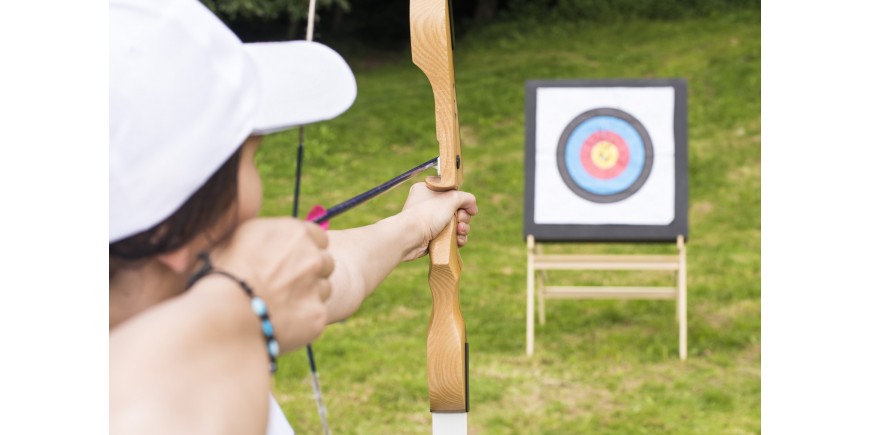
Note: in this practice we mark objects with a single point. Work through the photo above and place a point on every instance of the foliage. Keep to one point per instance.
(606, 367)
(268, 9)
(615, 10)
(383, 22)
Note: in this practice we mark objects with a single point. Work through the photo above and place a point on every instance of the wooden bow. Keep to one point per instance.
(446, 346)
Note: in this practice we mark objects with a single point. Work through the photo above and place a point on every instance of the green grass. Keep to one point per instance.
(599, 366)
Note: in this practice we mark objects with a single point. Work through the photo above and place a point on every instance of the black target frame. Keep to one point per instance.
(610, 232)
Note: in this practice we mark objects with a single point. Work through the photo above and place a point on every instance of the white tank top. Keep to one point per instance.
(278, 424)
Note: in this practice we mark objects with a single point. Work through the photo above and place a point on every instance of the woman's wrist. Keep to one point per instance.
(409, 232)
(257, 304)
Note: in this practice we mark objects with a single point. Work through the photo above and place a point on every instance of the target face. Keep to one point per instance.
(604, 155)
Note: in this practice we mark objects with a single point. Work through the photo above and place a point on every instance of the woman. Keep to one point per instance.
(203, 294)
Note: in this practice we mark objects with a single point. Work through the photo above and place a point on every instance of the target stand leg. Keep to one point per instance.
(530, 296)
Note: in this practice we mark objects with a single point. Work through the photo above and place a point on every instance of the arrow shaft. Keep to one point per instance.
(338, 209)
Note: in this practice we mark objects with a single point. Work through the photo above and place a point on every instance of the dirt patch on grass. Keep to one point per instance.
(702, 208)
(533, 391)
(723, 316)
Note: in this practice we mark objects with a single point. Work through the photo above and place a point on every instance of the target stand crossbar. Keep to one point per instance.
(539, 263)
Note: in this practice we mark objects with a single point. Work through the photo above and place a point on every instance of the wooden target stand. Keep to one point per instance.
(539, 263)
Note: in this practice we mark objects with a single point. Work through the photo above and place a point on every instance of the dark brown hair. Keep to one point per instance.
(199, 213)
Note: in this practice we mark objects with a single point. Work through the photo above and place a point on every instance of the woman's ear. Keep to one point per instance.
(179, 260)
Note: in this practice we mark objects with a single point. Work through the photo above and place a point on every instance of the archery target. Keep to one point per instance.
(604, 155)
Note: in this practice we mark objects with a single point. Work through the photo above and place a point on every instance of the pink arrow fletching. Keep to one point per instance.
(316, 212)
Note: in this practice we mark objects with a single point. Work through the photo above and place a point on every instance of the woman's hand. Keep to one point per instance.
(428, 212)
(286, 263)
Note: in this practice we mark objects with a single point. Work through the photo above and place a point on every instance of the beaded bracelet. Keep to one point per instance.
(258, 305)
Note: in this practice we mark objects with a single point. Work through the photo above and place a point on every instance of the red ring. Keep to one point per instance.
(586, 154)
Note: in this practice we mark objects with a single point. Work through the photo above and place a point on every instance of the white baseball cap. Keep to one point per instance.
(185, 93)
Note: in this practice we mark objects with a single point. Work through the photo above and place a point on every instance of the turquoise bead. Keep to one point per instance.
(258, 306)
(267, 328)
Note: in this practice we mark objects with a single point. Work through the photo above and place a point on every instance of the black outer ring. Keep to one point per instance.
(630, 190)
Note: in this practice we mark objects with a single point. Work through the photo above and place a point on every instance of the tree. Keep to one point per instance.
(296, 11)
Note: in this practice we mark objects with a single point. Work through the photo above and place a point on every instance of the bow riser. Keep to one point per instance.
(447, 356)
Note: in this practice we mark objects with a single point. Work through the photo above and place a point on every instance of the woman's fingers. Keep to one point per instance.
(287, 264)
(463, 228)
(327, 264)
(463, 216)
(325, 289)
(467, 205)
(317, 234)
(461, 240)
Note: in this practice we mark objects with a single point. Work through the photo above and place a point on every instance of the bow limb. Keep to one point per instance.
(446, 346)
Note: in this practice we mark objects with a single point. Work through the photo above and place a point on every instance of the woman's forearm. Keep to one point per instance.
(364, 257)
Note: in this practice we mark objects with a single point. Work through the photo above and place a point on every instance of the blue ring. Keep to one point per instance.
(600, 186)
(638, 144)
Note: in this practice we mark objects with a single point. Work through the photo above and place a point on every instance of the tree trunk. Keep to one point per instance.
(337, 18)
(293, 29)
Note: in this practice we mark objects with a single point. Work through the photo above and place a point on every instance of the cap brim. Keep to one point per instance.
(301, 82)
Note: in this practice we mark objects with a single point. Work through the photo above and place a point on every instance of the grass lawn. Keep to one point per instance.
(599, 366)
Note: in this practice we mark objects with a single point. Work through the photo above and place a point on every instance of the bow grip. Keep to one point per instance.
(446, 346)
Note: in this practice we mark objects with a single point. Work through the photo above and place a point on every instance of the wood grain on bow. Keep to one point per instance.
(447, 355)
